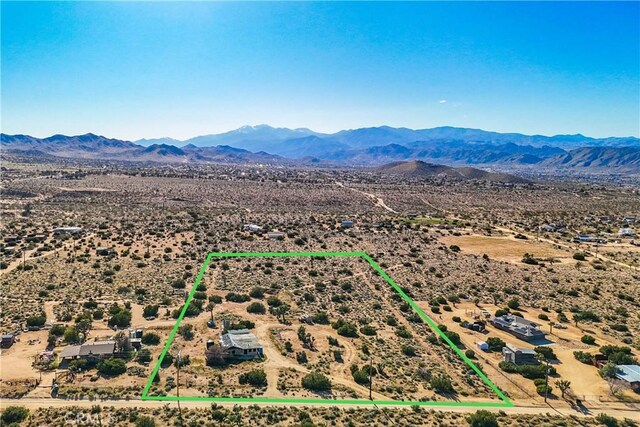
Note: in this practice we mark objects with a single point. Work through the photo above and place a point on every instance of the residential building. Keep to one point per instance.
(346, 223)
(626, 232)
(90, 350)
(241, 344)
(518, 327)
(630, 374)
(67, 230)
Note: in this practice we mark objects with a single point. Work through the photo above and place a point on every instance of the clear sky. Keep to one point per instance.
(134, 70)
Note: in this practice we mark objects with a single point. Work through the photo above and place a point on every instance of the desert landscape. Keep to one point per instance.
(110, 255)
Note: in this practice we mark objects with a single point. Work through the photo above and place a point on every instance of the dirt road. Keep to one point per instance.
(37, 403)
(377, 201)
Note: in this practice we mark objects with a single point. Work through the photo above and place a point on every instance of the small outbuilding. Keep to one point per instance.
(519, 356)
(253, 228)
(8, 340)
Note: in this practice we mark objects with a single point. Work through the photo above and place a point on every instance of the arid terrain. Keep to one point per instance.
(463, 250)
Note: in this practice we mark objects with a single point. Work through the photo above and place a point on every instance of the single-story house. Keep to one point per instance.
(275, 235)
(89, 350)
(346, 223)
(11, 239)
(630, 374)
(104, 251)
(518, 327)
(482, 345)
(626, 232)
(241, 344)
(67, 230)
(519, 356)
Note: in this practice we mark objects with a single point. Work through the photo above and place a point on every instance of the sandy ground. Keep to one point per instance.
(507, 248)
(586, 383)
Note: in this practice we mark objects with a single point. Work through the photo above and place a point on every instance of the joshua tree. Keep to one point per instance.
(563, 386)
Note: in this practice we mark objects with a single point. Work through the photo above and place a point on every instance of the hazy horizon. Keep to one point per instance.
(295, 128)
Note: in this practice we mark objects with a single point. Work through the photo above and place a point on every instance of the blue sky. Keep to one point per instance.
(133, 70)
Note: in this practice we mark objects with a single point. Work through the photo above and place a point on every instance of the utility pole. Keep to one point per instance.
(370, 376)
(178, 387)
(546, 381)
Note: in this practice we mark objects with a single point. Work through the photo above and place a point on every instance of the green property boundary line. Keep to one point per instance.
(505, 402)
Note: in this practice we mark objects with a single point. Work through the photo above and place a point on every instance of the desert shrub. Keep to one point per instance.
(301, 357)
(607, 420)
(256, 308)
(441, 383)
(150, 338)
(579, 256)
(454, 337)
(57, 330)
(145, 421)
(542, 389)
(531, 372)
(321, 318)
(368, 330)
(150, 311)
(112, 367)
(121, 319)
(144, 356)
(316, 381)
(14, 414)
(344, 328)
(257, 292)
(586, 315)
(620, 355)
(513, 304)
(255, 377)
(178, 284)
(235, 297)
(359, 376)
(588, 339)
(583, 357)
(186, 331)
(547, 352)
(408, 350)
(37, 321)
(495, 344)
(482, 418)
(273, 301)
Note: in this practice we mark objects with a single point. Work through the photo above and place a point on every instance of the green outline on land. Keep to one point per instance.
(505, 402)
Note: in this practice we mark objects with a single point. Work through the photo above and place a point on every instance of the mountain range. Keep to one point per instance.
(359, 147)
